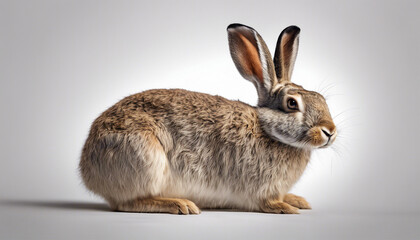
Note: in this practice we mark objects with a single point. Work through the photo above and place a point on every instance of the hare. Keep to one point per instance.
(176, 151)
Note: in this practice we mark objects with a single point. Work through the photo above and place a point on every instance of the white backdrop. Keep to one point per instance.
(64, 62)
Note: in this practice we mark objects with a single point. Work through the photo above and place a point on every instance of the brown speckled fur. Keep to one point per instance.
(153, 150)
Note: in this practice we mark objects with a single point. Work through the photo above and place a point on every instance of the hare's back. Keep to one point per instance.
(176, 110)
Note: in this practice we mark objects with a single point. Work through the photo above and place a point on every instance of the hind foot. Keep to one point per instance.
(296, 201)
(159, 205)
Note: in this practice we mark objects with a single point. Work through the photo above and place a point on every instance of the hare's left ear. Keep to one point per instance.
(252, 59)
(286, 51)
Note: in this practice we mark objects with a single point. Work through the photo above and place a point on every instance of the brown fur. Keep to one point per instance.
(229, 125)
(153, 150)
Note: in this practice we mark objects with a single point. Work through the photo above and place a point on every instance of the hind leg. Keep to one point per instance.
(121, 167)
(159, 205)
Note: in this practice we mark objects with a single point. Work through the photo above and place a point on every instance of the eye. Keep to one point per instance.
(292, 104)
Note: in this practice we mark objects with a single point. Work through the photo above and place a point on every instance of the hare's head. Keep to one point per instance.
(287, 112)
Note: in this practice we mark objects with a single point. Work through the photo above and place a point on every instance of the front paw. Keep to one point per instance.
(296, 201)
(278, 207)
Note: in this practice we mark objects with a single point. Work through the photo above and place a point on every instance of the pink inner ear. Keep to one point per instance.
(250, 60)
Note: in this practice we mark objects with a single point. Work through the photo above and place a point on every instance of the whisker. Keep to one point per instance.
(344, 111)
(320, 85)
(325, 90)
(327, 97)
(330, 86)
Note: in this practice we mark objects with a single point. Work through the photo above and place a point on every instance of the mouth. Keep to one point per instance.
(325, 145)
(329, 141)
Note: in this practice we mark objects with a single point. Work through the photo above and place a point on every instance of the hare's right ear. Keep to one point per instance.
(252, 59)
(286, 52)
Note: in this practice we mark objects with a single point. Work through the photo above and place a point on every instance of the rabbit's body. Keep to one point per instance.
(157, 150)
(182, 144)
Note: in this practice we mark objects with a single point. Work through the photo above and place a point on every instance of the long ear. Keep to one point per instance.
(252, 59)
(286, 51)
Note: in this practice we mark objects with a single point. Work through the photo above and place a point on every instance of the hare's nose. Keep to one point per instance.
(328, 132)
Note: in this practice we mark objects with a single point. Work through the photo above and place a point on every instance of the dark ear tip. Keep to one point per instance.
(292, 29)
(236, 25)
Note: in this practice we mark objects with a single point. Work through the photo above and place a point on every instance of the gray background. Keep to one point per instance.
(64, 62)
